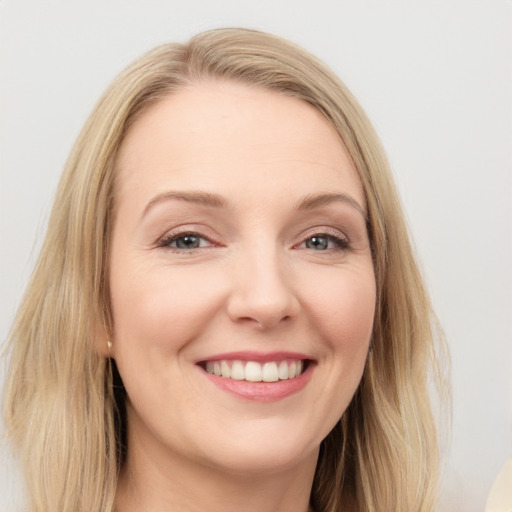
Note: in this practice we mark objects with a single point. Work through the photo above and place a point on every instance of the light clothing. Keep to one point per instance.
(500, 497)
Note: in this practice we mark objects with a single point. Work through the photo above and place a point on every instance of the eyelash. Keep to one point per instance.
(341, 242)
(167, 240)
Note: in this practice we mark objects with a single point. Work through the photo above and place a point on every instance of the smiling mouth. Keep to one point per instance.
(254, 371)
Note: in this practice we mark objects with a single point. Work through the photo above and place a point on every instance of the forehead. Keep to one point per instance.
(217, 132)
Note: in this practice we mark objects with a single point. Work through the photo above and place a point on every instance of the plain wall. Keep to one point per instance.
(435, 77)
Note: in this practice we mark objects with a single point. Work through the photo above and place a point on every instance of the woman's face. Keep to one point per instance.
(239, 248)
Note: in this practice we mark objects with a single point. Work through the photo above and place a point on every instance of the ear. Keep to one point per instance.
(102, 342)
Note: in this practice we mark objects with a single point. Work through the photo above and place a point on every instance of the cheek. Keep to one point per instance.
(162, 307)
(343, 307)
(341, 310)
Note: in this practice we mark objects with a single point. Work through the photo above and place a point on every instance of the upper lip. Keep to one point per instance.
(260, 357)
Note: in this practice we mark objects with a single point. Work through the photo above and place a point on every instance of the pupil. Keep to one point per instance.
(317, 242)
(187, 242)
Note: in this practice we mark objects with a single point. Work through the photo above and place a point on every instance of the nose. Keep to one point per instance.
(262, 290)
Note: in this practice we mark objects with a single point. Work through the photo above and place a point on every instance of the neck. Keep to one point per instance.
(156, 480)
(185, 487)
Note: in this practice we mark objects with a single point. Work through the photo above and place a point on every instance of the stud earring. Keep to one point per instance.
(109, 344)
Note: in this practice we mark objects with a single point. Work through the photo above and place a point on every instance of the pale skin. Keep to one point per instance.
(240, 228)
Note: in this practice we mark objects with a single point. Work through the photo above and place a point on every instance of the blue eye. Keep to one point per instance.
(324, 242)
(185, 241)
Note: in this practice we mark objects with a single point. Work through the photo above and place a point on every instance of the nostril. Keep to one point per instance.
(263, 314)
(264, 322)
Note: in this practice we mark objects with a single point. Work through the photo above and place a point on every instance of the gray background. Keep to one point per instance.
(435, 78)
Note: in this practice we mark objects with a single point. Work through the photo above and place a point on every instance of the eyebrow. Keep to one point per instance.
(203, 198)
(312, 201)
(309, 202)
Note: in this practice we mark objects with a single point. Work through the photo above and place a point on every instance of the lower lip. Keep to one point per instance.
(262, 391)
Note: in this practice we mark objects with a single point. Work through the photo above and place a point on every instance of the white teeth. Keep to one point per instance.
(253, 371)
(237, 370)
(270, 372)
(226, 370)
(283, 370)
(292, 370)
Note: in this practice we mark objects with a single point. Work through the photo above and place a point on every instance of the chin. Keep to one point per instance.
(250, 463)
(262, 452)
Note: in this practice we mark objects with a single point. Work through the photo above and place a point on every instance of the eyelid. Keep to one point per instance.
(334, 236)
(325, 230)
(164, 241)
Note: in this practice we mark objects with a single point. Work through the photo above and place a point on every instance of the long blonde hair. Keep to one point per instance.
(63, 413)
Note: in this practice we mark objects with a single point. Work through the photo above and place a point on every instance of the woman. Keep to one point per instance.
(227, 313)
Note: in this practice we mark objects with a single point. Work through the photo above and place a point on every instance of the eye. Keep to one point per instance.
(325, 242)
(185, 241)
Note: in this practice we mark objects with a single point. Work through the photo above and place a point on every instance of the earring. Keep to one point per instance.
(109, 344)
